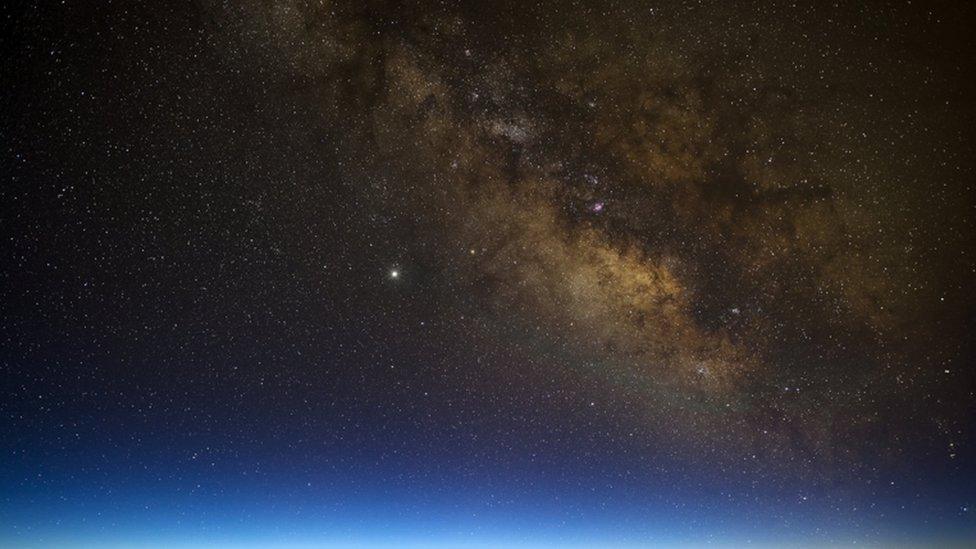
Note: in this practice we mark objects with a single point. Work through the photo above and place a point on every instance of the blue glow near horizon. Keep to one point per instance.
(292, 517)
(357, 497)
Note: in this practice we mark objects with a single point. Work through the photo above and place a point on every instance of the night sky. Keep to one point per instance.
(487, 274)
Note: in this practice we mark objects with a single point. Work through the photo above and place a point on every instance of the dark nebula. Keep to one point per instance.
(327, 273)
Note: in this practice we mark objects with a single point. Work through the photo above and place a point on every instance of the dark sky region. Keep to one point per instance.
(487, 274)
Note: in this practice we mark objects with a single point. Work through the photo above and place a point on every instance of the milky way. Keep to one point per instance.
(695, 201)
(683, 241)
